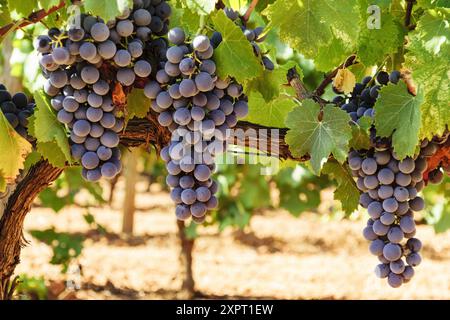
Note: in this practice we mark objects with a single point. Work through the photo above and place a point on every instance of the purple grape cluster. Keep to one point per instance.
(389, 188)
(82, 66)
(254, 36)
(198, 108)
(17, 109)
(361, 101)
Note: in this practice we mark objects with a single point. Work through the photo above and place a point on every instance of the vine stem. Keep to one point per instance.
(33, 18)
(409, 7)
(250, 9)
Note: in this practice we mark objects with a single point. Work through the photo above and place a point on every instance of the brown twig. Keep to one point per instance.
(34, 17)
(250, 9)
(329, 78)
(409, 7)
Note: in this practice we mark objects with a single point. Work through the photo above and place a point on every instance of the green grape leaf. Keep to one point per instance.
(272, 114)
(48, 131)
(397, 113)
(107, 9)
(23, 8)
(346, 191)
(138, 104)
(201, 7)
(428, 4)
(318, 137)
(271, 83)
(427, 57)
(5, 15)
(306, 24)
(234, 56)
(331, 56)
(32, 159)
(47, 4)
(374, 44)
(184, 17)
(51, 152)
(360, 134)
(15, 150)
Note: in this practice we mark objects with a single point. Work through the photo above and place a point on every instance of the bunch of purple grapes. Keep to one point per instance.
(252, 35)
(389, 188)
(17, 109)
(198, 108)
(72, 62)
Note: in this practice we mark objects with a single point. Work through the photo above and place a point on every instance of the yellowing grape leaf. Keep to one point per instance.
(344, 81)
(427, 58)
(319, 138)
(138, 105)
(234, 56)
(3, 183)
(14, 150)
(397, 113)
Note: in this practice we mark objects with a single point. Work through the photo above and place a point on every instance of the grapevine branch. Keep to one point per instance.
(250, 9)
(33, 18)
(409, 8)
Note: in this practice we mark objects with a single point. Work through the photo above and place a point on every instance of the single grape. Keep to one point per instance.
(109, 170)
(385, 192)
(126, 76)
(395, 235)
(382, 270)
(367, 231)
(90, 160)
(100, 32)
(392, 252)
(142, 68)
(379, 228)
(125, 28)
(182, 212)
(90, 75)
(110, 139)
(386, 176)
(201, 43)
(387, 218)
(176, 36)
(407, 224)
(142, 17)
(417, 204)
(81, 128)
(413, 259)
(397, 266)
(104, 153)
(406, 166)
(369, 166)
(107, 50)
(376, 247)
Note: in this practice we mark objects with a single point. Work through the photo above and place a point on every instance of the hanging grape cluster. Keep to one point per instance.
(198, 108)
(254, 36)
(83, 65)
(389, 188)
(17, 109)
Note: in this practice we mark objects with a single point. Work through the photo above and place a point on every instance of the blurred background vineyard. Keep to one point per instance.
(278, 236)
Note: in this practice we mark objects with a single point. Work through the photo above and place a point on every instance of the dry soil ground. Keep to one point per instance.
(278, 257)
